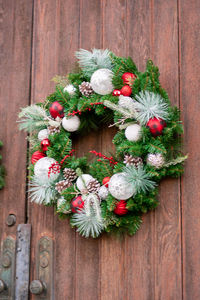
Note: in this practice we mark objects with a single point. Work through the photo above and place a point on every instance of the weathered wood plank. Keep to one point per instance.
(113, 249)
(190, 105)
(56, 32)
(15, 55)
(167, 238)
(139, 264)
(87, 251)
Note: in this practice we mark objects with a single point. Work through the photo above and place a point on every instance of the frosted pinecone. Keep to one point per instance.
(156, 160)
(53, 129)
(86, 89)
(69, 174)
(62, 185)
(93, 186)
(130, 160)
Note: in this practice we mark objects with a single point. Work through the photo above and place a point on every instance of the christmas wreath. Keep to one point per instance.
(111, 192)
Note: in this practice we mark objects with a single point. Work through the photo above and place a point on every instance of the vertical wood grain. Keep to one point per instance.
(189, 12)
(167, 239)
(15, 56)
(56, 37)
(139, 248)
(112, 249)
(87, 250)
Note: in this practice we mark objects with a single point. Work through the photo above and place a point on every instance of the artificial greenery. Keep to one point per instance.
(95, 111)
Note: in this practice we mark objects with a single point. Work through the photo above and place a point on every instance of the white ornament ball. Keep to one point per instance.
(126, 102)
(119, 187)
(83, 181)
(42, 166)
(70, 89)
(71, 124)
(133, 133)
(103, 192)
(43, 134)
(101, 81)
(156, 160)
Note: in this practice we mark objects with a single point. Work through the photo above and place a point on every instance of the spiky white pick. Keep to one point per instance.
(94, 60)
(150, 105)
(156, 160)
(70, 89)
(126, 102)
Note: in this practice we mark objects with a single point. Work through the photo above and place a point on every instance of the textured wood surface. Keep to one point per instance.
(15, 64)
(161, 261)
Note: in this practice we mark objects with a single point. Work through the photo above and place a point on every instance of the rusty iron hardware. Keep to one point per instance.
(7, 269)
(22, 261)
(43, 285)
(11, 220)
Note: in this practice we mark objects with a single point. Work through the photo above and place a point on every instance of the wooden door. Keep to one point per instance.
(38, 40)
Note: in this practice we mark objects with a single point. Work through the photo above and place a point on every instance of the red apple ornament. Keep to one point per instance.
(116, 93)
(36, 156)
(105, 181)
(128, 78)
(76, 204)
(56, 110)
(120, 208)
(156, 126)
(126, 90)
(45, 144)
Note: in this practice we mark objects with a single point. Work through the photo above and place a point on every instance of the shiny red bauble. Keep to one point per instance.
(77, 204)
(105, 181)
(120, 208)
(128, 78)
(45, 144)
(126, 90)
(156, 126)
(56, 110)
(116, 93)
(36, 156)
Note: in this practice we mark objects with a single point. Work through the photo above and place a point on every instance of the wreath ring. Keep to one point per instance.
(110, 193)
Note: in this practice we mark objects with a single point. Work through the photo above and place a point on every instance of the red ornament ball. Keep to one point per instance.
(128, 78)
(36, 156)
(116, 93)
(105, 181)
(120, 208)
(126, 90)
(156, 126)
(45, 144)
(56, 110)
(76, 204)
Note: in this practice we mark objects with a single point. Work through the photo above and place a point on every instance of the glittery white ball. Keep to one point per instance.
(60, 203)
(43, 134)
(101, 81)
(71, 124)
(42, 166)
(103, 192)
(120, 188)
(83, 181)
(156, 160)
(126, 102)
(70, 89)
(133, 133)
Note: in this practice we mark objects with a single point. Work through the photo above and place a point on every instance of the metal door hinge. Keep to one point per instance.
(7, 269)
(43, 285)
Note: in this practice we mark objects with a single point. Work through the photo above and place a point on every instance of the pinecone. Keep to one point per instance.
(86, 89)
(93, 186)
(62, 185)
(130, 160)
(69, 174)
(53, 129)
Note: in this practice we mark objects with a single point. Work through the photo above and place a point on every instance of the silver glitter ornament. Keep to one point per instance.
(120, 188)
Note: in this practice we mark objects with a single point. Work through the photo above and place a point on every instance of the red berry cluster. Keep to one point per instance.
(54, 168)
(87, 108)
(99, 154)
